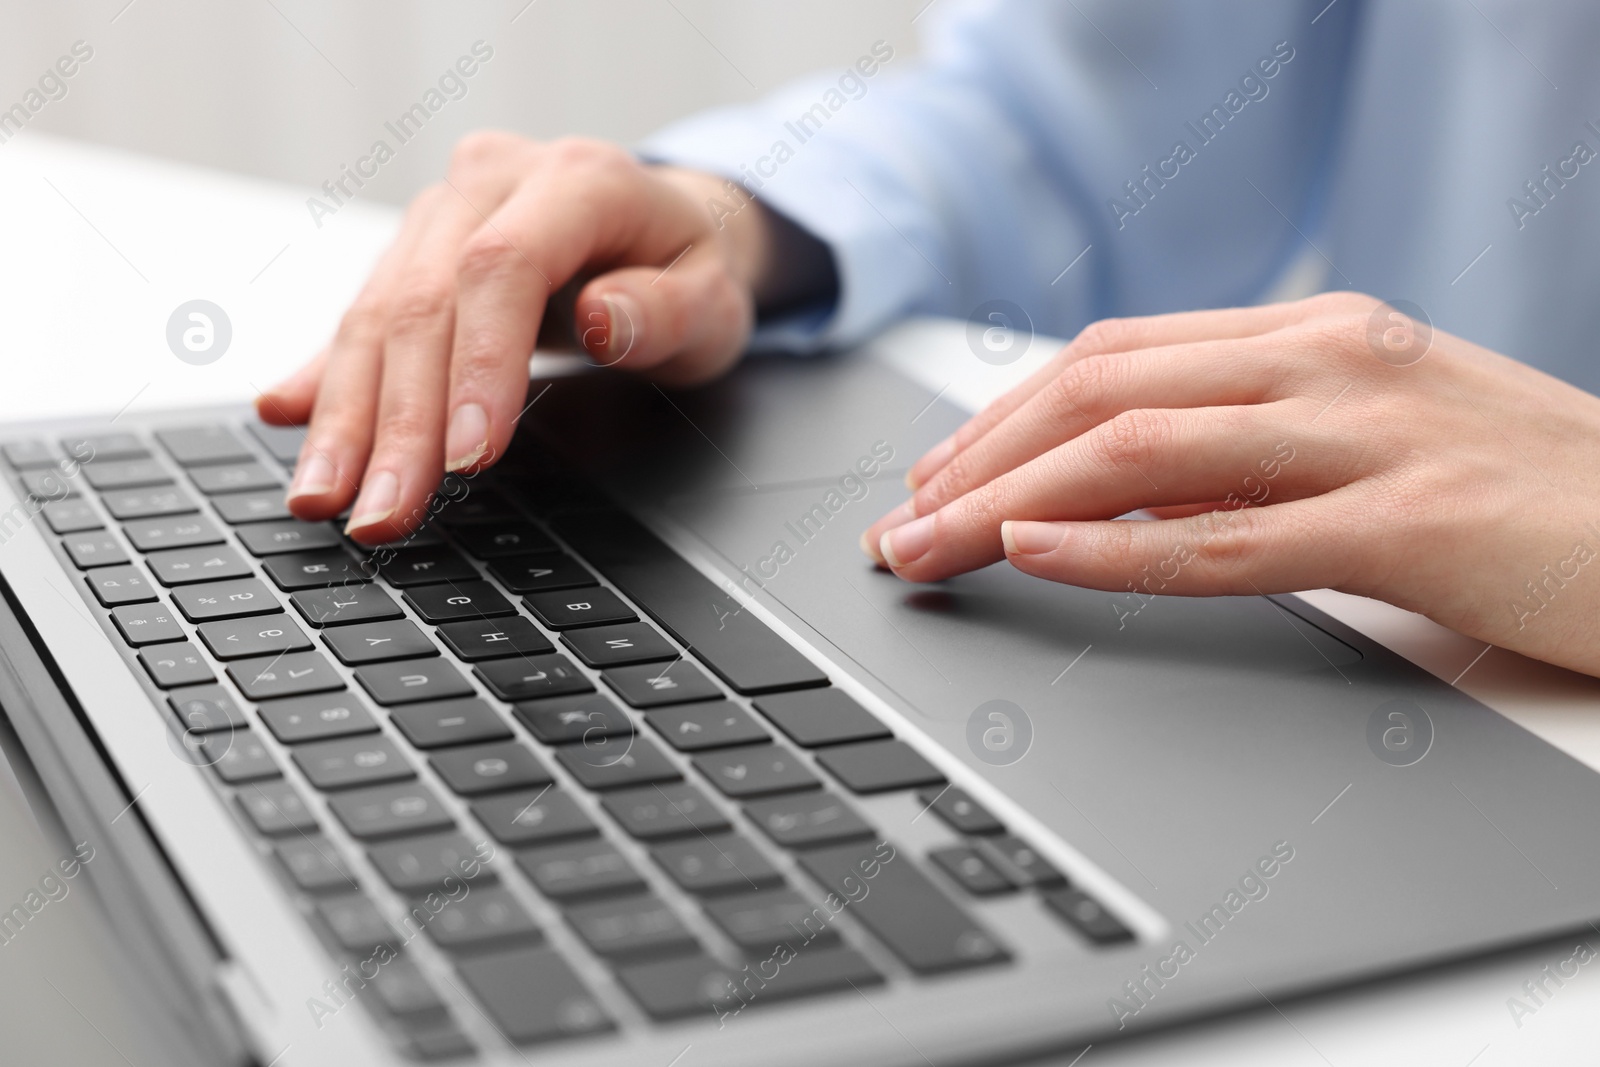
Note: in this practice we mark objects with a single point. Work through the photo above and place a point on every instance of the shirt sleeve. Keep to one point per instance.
(1076, 160)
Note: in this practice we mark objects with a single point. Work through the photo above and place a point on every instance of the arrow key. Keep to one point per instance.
(691, 727)
(756, 771)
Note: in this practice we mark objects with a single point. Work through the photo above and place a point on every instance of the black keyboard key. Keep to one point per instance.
(449, 722)
(352, 761)
(420, 865)
(532, 677)
(345, 604)
(692, 727)
(615, 646)
(579, 607)
(474, 599)
(653, 685)
(537, 574)
(286, 675)
(476, 505)
(413, 680)
(813, 717)
(120, 585)
(878, 766)
(1020, 861)
(494, 540)
(533, 816)
(665, 810)
(71, 516)
(954, 806)
(390, 811)
(426, 566)
(125, 474)
(262, 505)
(192, 446)
(492, 768)
(225, 600)
(905, 910)
(736, 645)
(186, 566)
(276, 808)
(185, 531)
(115, 444)
(807, 820)
(500, 638)
(29, 453)
(1087, 916)
(259, 635)
(179, 663)
(970, 870)
(50, 484)
(95, 548)
(424, 536)
(569, 720)
(356, 923)
(148, 503)
(315, 866)
(287, 535)
(695, 985)
(614, 763)
(283, 443)
(147, 624)
(759, 922)
(725, 863)
(374, 642)
(580, 870)
(203, 708)
(233, 478)
(757, 770)
(487, 917)
(533, 995)
(321, 568)
(400, 989)
(238, 756)
(631, 926)
(317, 717)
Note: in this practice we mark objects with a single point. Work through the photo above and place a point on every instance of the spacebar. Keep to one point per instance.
(736, 645)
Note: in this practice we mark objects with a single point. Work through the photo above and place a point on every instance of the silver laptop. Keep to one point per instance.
(628, 756)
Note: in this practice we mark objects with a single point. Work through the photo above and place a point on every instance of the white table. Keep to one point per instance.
(100, 246)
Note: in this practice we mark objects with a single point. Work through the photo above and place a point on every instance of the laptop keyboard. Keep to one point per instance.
(627, 745)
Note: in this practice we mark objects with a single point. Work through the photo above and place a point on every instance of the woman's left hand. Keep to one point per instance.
(1331, 442)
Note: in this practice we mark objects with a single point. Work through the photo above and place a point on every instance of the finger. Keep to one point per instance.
(1138, 459)
(1282, 548)
(691, 315)
(408, 447)
(585, 203)
(339, 438)
(1086, 394)
(1106, 337)
(289, 403)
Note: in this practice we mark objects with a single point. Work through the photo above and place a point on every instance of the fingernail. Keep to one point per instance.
(1031, 538)
(468, 437)
(313, 476)
(906, 544)
(932, 461)
(869, 548)
(380, 493)
(623, 322)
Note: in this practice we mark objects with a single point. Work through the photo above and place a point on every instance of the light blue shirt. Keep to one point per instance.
(1091, 158)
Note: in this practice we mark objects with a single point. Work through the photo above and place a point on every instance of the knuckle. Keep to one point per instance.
(587, 153)
(404, 424)
(481, 147)
(421, 306)
(1105, 335)
(485, 255)
(1086, 385)
(363, 323)
(1230, 539)
(1131, 438)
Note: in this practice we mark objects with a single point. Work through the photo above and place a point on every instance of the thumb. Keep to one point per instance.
(684, 323)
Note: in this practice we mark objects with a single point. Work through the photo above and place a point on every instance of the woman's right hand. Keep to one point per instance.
(428, 371)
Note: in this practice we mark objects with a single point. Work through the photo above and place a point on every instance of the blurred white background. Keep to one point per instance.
(293, 89)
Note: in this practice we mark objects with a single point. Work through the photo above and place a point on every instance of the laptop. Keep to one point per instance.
(627, 755)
